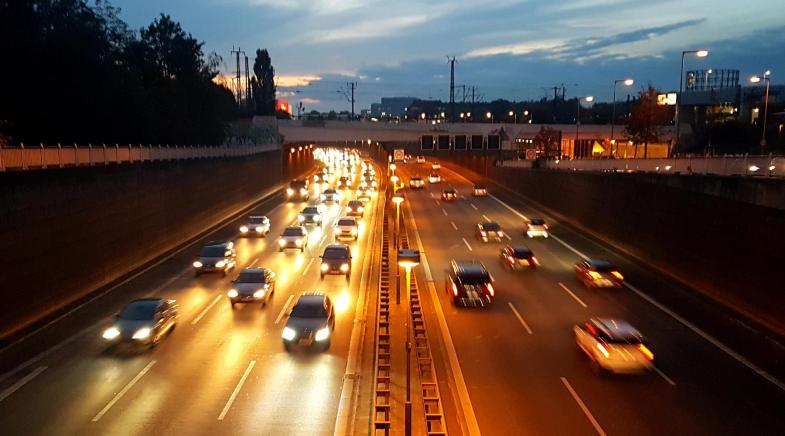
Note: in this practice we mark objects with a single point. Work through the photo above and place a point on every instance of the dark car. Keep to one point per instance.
(518, 257)
(253, 285)
(143, 322)
(489, 231)
(468, 283)
(298, 190)
(311, 322)
(310, 215)
(355, 208)
(344, 182)
(449, 194)
(216, 257)
(598, 274)
(336, 259)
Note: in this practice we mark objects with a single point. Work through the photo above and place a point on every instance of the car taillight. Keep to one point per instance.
(595, 275)
(646, 352)
(536, 262)
(545, 226)
(500, 233)
(490, 289)
(617, 275)
(482, 233)
(603, 350)
(511, 259)
(454, 290)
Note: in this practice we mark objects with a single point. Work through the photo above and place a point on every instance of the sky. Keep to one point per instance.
(512, 49)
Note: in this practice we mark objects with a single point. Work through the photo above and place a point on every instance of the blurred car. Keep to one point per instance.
(480, 191)
(344, 182)
(598, 274)
(330, 196)
(518, 257)
(436, 167)
(449, 194)
(416, 182)
(310, 215)
(434, 178)
(336, 259)
(144, 322)
(347, 228)
(298, 190)
(355, 208)
(253, 285)
(614, 345)
(311, 322)
(537, 227)
(468, 283)
(489, 231)
(293, 237)
(256, 225)
(364, 195)
(420, 159)
(216, 257)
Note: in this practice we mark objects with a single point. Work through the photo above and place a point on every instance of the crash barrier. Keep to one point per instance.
(25, 157)
(382, 361)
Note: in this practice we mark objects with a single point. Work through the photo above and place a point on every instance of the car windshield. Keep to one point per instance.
(139, 310)
(297, 184)
(346, 222)
(434, 175)
(521, 252)
(309, 310)
(293, 231)
(603, 266)
(212, 251)
(474, 278)
(251, 277)
(329, 191)
(623, 338)
(256, 220)
(354, 203)
(311, 210)
(538, 222)
(449, 191)
(417, 178)
(335, 253)
(491, 227)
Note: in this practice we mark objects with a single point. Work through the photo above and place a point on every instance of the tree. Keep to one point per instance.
(263, 84)
(646, 120)
(547, 142)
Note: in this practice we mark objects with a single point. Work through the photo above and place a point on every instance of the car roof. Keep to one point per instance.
(468, 267)
(344, 246)
(257, 269)
(225, 244)
(312, 297)
(490, 224)
(616, 328)
(595, 263)
(310, 207)
(355, 201)
(353, 219)
(521, 250)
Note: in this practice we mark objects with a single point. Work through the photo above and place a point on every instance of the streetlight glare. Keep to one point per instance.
(487, 115)
(510, 113)
(589, 98)
(702, 53)
(628, 82)
(755, 79)
(767, 73)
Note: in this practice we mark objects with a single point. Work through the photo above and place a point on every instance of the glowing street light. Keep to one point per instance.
(489, 116)
(514, 116)
(701, 53)
(408, 259)
(587, 99)
(626, 82)
(767, 80)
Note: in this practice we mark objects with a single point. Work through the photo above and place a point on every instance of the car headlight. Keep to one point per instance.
(220, 264)
(303, 191)
(354, 231)
(344, 267)
(259, 294)
(244, 229)
(142, 333)
(298, 242)
(322, 334)
(281, 242)
(288, 333)
(232, 293)
(300, 218)
(322, 197)
(197, 264)
(324, 267)
(289, 191)
(111, 333)
(348, 208)
(259, 229)
(317, 217)
(360, 209)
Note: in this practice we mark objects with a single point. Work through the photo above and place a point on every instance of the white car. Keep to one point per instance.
(420, 159)
(295, 237)
(536, 227)
(436, 167)
(347, 228)
(416, 182)
(614, 345)
(434, 178)
(330, 196)
(256, 225)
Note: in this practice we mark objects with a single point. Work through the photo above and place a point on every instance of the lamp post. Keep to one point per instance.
(702, 53)
(489, 116)
(397, 199)
(756, 79)
(514, 116)
(587, 99)
(408, 259)
(626, 82)
(394, 180)
(526, 114)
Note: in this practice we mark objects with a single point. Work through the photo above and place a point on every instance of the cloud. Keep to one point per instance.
(310, 101)
(320, 7)
(292, 81)
(363, 30)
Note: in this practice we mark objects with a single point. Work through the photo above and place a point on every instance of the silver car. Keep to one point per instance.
(293, 237)
(143, 322)
(253, 285)
(256, 225)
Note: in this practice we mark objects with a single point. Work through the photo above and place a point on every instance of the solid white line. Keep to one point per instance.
(123, 391)
(520, 318)
(665, 377)
(23, 381)
(308, 266)
(583, 407)
(437, 202)
(572, 294)
(569, 247)
(467, 244)
(486, 218)
(253, 263)
(283, 309)
(444, 212)
(324, 237)
(473, 206)
(510, 208)
(236, 390)
(453, 225)
(206, 309)
(431, 194)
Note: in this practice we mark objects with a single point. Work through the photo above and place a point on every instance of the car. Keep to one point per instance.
(613, 345)
(595, 273)
(293, 237)
(449, 194)
(330, 196)
(258, 225)
(355, 208)
(369, 183)
(344, 182)
(416, 182)
(347, 228)
(364, 195)
(480, 191)
(436, 166)
(216, 257)
(143, 321)
(420, 159)
(518, 258)
(489, 231)
(311, 322)
(310, 215)
(536, 227)
(336, 259)
(253, 285)
(298, 190)
(434, 178)
(468, 283)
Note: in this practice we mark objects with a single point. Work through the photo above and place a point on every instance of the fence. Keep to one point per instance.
(41, 157)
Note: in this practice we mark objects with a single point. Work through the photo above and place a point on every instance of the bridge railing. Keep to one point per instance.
(25, 157)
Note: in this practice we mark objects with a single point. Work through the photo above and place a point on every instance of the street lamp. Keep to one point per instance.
(587, 99)
(489, 116)
(394, 180)
(514, 116)
(625, 82)
(701, 53)
(397, 199)
(408, 259)
(462, 115)
(756, 79)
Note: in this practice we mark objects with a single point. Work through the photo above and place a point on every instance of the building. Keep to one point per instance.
(393, 107)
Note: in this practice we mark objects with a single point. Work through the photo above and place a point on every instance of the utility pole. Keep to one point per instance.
(452, 88)
(238, 84)
(248, 97)
(352, 85)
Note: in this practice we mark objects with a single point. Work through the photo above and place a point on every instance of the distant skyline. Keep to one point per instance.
(506, 48)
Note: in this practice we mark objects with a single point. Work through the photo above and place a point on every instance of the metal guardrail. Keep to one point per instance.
(382, 415)
(23, 158)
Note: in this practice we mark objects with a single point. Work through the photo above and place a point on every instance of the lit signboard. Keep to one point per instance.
(668, 99)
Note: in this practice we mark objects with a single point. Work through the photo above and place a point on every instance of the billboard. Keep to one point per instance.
(668, 99)
(398, 155)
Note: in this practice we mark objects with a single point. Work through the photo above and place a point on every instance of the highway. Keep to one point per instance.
(522, 369)
(221, 371)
